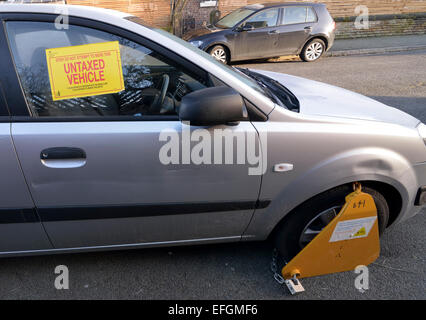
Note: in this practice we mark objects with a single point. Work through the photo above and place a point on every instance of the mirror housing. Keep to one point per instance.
(246, 27)
(213, 106)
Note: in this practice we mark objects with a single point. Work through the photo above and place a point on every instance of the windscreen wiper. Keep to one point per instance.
(264, 86)
(288, 98)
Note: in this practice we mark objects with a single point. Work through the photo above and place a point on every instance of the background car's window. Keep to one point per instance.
(312, 17)
(3, 109)
(231, 71)
(147, 74)
(233, 18)
(266, 18)
(294, 15)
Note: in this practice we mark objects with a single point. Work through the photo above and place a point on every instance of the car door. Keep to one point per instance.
(93, 164)
(261, 41)
(20, 226)
(295, 28)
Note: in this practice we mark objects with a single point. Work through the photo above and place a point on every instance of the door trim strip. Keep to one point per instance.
(9, 216)
(143, 210)
(51, 214)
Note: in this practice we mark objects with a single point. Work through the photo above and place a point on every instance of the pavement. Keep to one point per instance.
(241, 271)
(374, 45)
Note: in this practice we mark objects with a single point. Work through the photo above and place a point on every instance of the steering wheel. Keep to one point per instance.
(159, 99)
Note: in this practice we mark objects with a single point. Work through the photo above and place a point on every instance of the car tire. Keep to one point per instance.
(292, 234)
(313, 50)
(219, 53)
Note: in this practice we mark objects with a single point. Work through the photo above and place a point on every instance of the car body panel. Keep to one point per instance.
(349, 152)
(20, 228)
(344, 149)
(291, 38)
(317, 98)
(265, 43)
(123, 170)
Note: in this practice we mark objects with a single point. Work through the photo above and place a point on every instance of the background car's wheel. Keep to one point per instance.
(220, 54)
(302, 225)
(313, 50)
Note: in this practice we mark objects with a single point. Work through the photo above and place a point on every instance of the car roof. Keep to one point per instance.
(259, 6)
(71, 10)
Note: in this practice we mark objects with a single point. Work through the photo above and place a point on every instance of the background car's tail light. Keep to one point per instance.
(331, 27)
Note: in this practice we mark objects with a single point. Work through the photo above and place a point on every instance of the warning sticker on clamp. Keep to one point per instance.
(352, 229)
(86, 70)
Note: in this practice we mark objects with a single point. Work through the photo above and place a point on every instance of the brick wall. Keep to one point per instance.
(157, 13)
(195, 16)
(343, 8)
(154, 12)
(383, 25)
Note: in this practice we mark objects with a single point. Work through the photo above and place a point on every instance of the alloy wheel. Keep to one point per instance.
(220, 55)
(314, 51)
(317, 224)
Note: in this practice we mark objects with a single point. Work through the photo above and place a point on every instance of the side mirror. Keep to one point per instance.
(246, 27)
(213, 106)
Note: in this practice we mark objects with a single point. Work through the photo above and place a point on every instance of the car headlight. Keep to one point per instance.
(422, 131)
(196, 43)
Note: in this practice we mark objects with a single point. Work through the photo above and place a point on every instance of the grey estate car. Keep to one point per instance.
(268, 30)
(85, 173)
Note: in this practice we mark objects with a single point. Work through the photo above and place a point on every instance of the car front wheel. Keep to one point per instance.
(220, 54)
(313, 50)
(310, 218)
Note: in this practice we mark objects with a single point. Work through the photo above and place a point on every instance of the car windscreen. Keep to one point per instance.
(230, 70)
(230, 20)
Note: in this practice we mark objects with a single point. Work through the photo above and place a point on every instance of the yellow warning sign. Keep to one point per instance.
(361, 232)
(86, 70)
(353, 228)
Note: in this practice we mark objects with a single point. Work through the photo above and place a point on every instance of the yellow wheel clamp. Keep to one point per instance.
(350, 240)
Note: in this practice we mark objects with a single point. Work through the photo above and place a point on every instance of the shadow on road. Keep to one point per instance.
(285, 59)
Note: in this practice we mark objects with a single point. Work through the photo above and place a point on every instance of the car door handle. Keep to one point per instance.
(63, 157)
(273, 32)
(62, 153)
(307, 29)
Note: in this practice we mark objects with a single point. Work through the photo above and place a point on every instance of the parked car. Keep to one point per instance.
(84, 173)
(268, 30)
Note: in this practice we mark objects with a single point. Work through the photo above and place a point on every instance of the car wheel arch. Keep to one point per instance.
(321, 37)
(364, 166)
(297, 229)
(389, 192)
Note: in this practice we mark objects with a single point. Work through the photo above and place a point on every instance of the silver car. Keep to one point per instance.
(87, 171)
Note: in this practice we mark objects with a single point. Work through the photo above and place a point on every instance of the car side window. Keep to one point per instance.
(3, 109)
(311, 15)
(154, 84)
(293, 15)
(264, 19)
